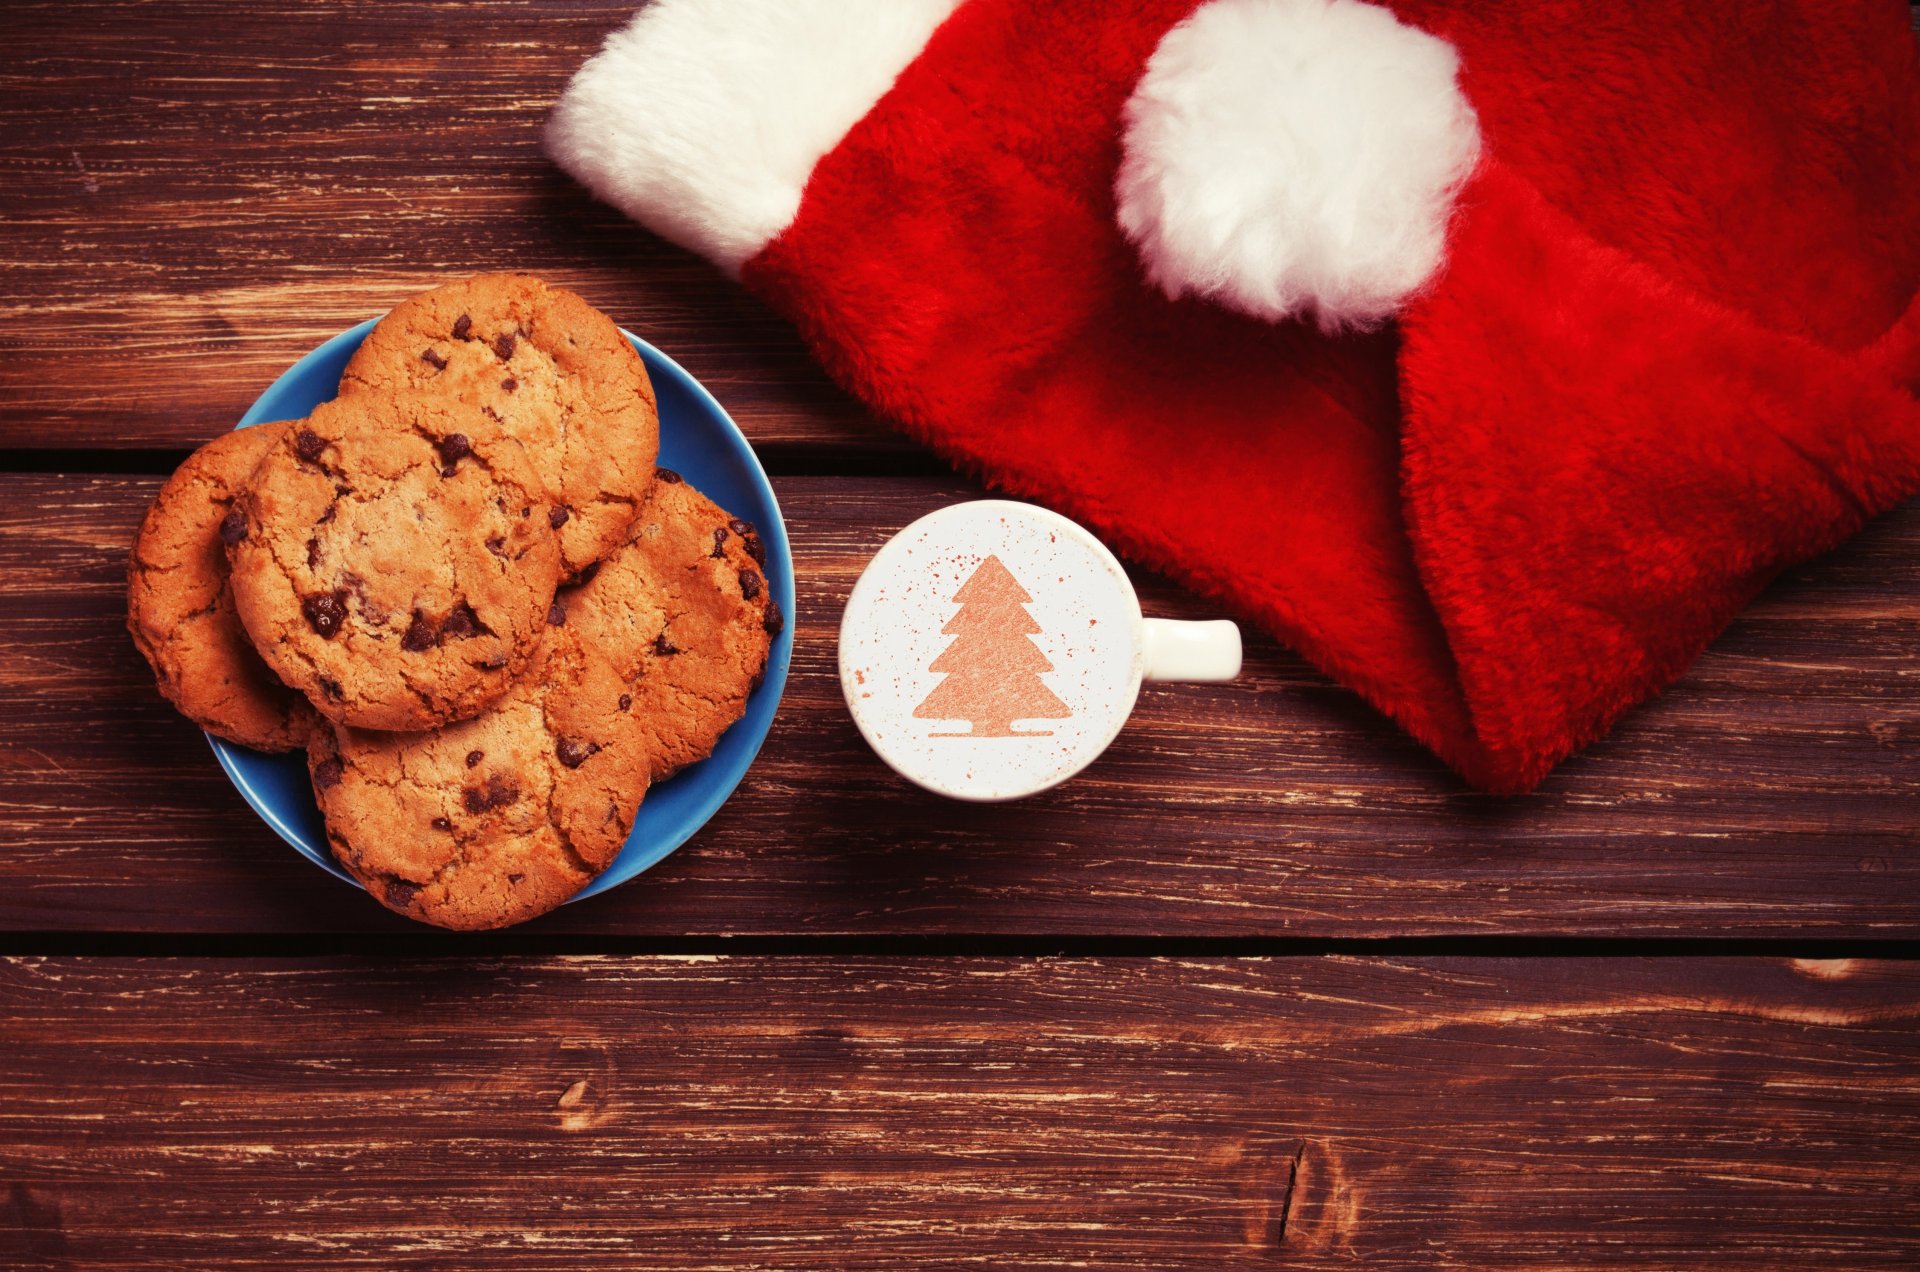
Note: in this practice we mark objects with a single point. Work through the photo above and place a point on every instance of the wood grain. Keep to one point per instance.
(1772, 792)
(748, 1113)
(196, 193)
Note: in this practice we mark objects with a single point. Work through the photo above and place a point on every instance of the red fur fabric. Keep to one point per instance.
(1672, 352)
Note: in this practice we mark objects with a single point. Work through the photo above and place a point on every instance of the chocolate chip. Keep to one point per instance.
(509, 384)
(326, 774)
(339, 493)
(462, 326)
(233, 527)
(313, 553)
(503, 344)
(325, 612)
(664, 647)
(461, 623)
(719, 542)
(557, 516)
(421, 634)
(556, 615)
(667, 475)
(526, 512)
(331, 687)
(755, 549)
(626, 701)
(308, 445)
(453, 448)
(474, 757)
(573, 754)
(773, 620)
(497, 545)
(441, 823)
(433, 359)
(750, 583)
(400, 892)
(497, 793)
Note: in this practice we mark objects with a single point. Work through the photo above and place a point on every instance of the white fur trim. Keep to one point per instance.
(1287, 156)
(702, 119)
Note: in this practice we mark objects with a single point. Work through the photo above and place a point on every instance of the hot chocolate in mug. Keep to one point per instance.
(993, 649)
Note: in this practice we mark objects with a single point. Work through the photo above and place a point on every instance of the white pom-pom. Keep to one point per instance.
(1293, 156)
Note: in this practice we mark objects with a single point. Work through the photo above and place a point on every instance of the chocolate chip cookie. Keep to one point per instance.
(394, 558)
(553, 370)
(502, 817)
(180, 608)
(693, 588)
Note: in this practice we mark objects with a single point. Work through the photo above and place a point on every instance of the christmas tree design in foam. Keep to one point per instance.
(992, 667)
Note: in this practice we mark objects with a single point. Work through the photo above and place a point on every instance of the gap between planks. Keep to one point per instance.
(431, 943)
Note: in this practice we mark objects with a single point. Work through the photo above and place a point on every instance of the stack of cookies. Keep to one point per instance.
(464, 587)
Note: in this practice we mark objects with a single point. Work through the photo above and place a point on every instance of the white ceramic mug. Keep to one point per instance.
(993, 649)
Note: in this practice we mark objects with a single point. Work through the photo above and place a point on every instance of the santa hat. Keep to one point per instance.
(1492, 356)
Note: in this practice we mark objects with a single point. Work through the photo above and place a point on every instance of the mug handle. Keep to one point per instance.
(1196, 652)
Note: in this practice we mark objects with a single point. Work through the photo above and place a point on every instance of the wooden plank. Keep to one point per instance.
(838, 1114)
(196, 193)
(1773, 792)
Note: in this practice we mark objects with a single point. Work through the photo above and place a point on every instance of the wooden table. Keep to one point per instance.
(1266, 985)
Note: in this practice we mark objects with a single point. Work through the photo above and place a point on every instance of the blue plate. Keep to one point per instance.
(698, 441)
